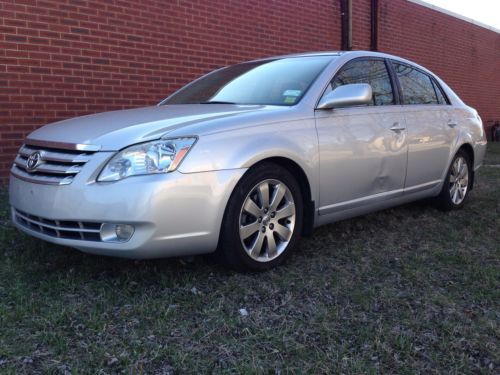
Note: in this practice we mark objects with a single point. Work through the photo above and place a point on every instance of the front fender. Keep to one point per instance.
(242, 148)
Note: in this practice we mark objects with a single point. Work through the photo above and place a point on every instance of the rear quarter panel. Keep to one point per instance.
(471, 131)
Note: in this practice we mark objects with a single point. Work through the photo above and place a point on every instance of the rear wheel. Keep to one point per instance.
(457, 184)
(263, 219)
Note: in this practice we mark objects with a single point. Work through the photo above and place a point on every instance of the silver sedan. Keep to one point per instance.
(248, 158)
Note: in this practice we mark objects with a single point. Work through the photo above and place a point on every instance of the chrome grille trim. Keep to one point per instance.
(56, 167)
(61, 157)
(48, 168)
(39, 179)
(76, 230)
(63, 145)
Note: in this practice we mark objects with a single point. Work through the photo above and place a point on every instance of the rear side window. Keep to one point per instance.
(417, 87)
(373, 72)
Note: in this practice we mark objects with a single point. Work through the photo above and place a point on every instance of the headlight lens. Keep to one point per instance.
(161, 156)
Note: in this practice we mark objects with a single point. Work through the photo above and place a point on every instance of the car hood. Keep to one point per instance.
(117, 129)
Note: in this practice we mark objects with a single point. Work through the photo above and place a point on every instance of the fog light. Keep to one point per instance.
(116, 232)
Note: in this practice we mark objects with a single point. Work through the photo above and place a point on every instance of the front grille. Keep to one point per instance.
(73, 230)
(54, 166)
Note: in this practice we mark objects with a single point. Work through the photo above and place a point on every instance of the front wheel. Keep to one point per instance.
(457, 184)
(263, 219)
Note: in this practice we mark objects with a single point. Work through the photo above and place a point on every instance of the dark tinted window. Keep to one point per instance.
(417, 87)
(373, 72)
(439, 92)
(274, 82)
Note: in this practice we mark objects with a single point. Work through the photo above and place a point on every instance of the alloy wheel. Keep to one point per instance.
(459, 180)
(267, 220)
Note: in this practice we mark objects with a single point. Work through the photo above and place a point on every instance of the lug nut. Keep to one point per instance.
(265, 210)
(263, 229)
(271, 226)
(273, 214)
(260, 219)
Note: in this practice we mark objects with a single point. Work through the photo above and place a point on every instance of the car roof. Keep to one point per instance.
(334, 53)
(348, 54)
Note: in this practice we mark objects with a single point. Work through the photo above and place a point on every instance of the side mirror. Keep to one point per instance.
(347, 95)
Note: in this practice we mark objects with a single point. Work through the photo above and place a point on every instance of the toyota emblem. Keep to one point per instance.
(34, 161)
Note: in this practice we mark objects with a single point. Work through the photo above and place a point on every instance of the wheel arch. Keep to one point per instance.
(305, 188)
(467, 147)
(469, 150)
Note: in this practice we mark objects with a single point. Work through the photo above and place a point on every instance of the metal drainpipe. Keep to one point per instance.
(374, 26)
(346, 18)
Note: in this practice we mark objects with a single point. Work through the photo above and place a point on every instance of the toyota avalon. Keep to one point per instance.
(248, 158)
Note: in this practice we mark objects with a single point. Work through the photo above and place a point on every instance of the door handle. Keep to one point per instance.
(396, 127)
(452, 124)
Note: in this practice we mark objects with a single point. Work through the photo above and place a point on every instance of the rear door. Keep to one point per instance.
(430, 129)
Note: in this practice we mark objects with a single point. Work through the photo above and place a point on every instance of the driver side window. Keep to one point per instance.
(373, 72)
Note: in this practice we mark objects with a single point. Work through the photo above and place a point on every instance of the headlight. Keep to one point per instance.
(161, 156)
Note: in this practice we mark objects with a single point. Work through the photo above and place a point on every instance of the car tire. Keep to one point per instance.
(457, 184)
(259, 232)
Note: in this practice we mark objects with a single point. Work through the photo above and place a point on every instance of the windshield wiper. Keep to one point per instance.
(216, 102)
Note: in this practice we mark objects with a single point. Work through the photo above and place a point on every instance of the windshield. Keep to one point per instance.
(270, 82)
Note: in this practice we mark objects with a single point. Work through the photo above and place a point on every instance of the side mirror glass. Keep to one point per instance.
(347, 95)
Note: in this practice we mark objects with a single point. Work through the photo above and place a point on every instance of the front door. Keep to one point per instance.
(363, 149)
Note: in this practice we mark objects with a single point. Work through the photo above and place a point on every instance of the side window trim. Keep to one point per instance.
(395, 93)
(438, 87)
(396, 87)
(435, 90)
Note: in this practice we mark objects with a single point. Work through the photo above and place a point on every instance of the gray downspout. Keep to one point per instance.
(346, 22)
(374, 26)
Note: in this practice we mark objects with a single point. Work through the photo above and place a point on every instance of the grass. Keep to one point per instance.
(406, 290)
(493, 155)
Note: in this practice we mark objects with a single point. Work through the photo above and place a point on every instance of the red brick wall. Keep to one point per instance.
(64, 58)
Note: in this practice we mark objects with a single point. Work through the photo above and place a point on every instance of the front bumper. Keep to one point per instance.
(173, 214)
